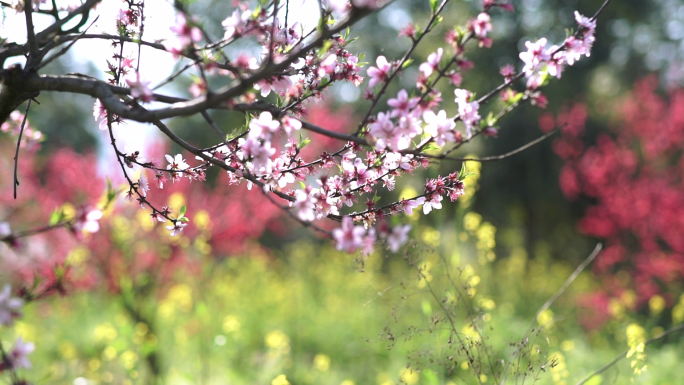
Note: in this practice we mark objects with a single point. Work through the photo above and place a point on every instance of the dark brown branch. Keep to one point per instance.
(16, 153)
(30, 35)
(66, 49)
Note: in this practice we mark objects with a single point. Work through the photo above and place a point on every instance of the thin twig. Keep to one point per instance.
(553, 298)
(502, 156)
(16, 153)
(624, 354)
(213, 125)
(65, 49)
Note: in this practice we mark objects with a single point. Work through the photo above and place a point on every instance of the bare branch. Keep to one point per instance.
(16, 153)
(65, 49)
(502, 156)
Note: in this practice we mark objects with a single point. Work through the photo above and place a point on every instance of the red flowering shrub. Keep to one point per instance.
(635, 178)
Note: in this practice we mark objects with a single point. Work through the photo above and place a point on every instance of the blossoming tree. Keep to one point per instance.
(296, 66)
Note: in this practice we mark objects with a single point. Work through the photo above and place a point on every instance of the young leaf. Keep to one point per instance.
(56, 217)
(433, 5)
(462, 172)
(183, 209)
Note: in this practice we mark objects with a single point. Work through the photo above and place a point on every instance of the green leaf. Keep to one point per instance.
(518, 96)
(56, 217)
(111, 193)
(256, 12)
(182, 211)
(376, 198)
(183, 219)
(324, 48)
(302, 185)
(462, 172)
(407, 63)
(433, 5)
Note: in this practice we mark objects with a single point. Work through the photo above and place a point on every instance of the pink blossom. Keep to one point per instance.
(177, 228)
(585, 22)
(140, 89)
(537, 99)
(187, 33)
(408, 31)
(175, 47)
(327, 66)
(235, 23)
(290, 124)
(409, 205)
(369, 240)
(576, 48)
(160, 179)
(535, 55)
(9, 306)
(402, 103)
(264, 126)
(100, 114)
(407, 129)
(277, 84)
(382, 130)
(379, 74)
(432, 63)
(338, 6)
(127, 63)
(349, 237)
(434, 201)
(456, 78)
(86, 219)
(305, 205)
(143, 185)
(467, 111)
(259, 152)
(555, 65)
(481, 25)
(398, 237)
(157, 217)
(198, 87)
(365, 3)
(440, 127)
(508, 72)
(18, 356)
(177, 163)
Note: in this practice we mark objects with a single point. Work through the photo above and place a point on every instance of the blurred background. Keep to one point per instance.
(246, 295)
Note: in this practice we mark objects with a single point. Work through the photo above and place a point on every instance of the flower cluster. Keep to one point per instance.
(387, 144)
(540, 60)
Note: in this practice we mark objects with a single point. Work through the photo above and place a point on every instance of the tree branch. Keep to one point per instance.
(16, 153)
